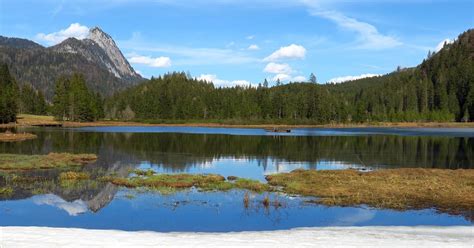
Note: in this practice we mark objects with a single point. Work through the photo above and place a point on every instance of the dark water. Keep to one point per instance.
(250, 153)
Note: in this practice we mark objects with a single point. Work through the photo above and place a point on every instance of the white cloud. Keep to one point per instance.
(75, 30)
(282, 77)
(292, 51)
(288, 78)
(253, 47)
(441, 44)
(190, 56)
(223, 83)
(350, 78)
(299, 79)
(250, 37)
(368, 37)
(159, 62)
(277, 68)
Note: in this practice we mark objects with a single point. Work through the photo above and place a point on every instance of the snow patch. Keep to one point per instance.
(39, 237)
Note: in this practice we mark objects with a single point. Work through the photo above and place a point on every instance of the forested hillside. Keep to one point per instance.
(97, 57)
(440, 89)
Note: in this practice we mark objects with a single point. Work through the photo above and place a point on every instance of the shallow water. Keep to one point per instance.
(249, 153)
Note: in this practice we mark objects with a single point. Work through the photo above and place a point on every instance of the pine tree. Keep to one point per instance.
(278, 82)
(8, 96)
(312, 78)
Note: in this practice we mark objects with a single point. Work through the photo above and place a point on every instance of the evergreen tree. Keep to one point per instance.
(8, 96)
(75, 102)
(312, 78)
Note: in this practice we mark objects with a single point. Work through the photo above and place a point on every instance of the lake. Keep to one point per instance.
(249, 153)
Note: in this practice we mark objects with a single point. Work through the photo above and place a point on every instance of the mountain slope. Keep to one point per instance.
(105, 68)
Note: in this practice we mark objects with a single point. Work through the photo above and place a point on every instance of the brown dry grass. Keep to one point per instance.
(331, 125)
(32, 120)
(445, 190)
(14, 137)
(49, 161)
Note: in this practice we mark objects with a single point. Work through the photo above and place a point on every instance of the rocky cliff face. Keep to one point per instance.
(97, 57)
(119, 63)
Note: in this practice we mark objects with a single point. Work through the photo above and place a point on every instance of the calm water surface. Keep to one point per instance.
(250, 153)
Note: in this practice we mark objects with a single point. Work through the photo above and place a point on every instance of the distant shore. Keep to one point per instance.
(33, 120)
(393, 236)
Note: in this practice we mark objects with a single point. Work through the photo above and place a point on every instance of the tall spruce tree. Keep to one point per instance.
(8, 96)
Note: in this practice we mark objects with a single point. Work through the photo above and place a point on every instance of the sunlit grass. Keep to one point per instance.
(169, 182)
(445, 190)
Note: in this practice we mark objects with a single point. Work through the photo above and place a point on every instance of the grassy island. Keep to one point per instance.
(49, 161)
(415, 188)
(13, 137)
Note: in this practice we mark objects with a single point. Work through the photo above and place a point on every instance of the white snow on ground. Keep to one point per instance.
(37, 237)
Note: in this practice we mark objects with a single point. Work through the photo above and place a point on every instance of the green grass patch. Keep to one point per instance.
(171, 182)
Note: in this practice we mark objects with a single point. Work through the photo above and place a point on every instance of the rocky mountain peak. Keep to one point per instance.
(106, 42)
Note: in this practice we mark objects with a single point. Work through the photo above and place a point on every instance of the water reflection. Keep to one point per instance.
(177, 152)
(95, 204)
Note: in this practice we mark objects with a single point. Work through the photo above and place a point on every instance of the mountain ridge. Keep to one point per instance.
(97, 57)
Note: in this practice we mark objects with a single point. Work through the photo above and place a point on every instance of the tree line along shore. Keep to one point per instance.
(440, 89)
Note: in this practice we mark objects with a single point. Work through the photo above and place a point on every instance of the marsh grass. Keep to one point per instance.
(144, 172)
(253, 185)
(170, 182)
(445, 190)
(49, 161)
(6, 191)
(73, 175)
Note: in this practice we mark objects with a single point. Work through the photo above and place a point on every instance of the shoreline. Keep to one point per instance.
(371, 236)
(219, 125)
(32, 120)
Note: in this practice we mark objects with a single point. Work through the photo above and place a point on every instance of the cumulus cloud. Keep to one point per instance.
(277, 68)
(441, 44)
(292, 51)
(350, 78)
(159, 62)
(253, 47)
(223, 83)
(75, 30)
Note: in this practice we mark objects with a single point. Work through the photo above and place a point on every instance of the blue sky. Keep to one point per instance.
(240, 42)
